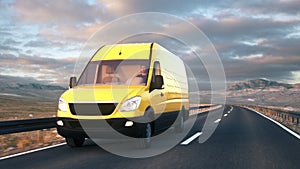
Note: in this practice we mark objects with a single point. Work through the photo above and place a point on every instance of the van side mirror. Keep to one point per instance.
(73, 81)
(158, 83)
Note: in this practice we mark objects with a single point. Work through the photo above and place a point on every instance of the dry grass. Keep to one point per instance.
(13, 108)
(20, 142)
(17, 108)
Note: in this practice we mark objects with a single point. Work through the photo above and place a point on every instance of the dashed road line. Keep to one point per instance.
(187, 141)
(230, 110)
(217, 121)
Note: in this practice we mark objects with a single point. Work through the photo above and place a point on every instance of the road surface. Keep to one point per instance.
(243, 139)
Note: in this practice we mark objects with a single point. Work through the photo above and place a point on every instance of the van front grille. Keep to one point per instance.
(92, 109)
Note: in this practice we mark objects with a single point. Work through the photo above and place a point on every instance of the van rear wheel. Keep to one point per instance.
(75, 142)
(179, 125)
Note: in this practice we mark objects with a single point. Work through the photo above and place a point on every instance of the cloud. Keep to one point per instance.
(275, 67)
(241, 70)
(206, 7)
(262, 36)
(286, 48)
(292, 60)
(11, 41)
(119, 7)
(38, 67)
(56, 11)
(269, 6)
(1, 5)
(7, 48)
(283, 47)
(70, 33)
(29, 60)
(243, 28)
(37, 43)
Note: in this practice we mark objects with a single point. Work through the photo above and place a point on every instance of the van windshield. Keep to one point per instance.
(115, 72)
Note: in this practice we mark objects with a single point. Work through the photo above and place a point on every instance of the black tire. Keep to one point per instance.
(186, 114)
(75, 142)
(145, 141)
(180, 125)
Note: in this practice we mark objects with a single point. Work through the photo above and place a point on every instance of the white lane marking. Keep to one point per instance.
(186, 142)
(276, 122)
(231, 108)
(217, 121)
(225, 115)
(30, 151)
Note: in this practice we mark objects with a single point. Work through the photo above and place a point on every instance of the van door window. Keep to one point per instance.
(156, 72)
(157, 68)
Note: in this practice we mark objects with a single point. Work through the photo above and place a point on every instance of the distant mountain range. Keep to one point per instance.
(260, 92)
(13, 82)
(261, 84)
(29, 88)
(257, 92)
(264, 93)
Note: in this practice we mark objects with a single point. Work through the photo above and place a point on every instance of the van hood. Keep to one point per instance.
(102, 94)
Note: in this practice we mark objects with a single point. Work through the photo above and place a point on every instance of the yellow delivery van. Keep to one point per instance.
(138, 89)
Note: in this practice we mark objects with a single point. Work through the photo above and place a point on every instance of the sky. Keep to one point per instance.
(254, 39)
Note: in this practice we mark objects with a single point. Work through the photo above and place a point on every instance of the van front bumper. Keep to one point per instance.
(110, 128)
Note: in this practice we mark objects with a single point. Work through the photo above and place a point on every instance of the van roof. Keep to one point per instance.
(123, 51)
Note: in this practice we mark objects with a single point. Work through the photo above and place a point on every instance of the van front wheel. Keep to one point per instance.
(145, 141)
(75, 142)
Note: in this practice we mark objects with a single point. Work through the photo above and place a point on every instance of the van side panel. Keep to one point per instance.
(175, 80)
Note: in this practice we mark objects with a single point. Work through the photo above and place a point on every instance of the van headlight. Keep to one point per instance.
(62, 105)
(130, 104)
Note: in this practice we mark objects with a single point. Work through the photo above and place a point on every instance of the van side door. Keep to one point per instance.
(157, 96)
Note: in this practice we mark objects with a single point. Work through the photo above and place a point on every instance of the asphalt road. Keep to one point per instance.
(243, 139)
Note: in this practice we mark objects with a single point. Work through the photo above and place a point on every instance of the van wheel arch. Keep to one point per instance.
(185, 113)
(179, 123)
